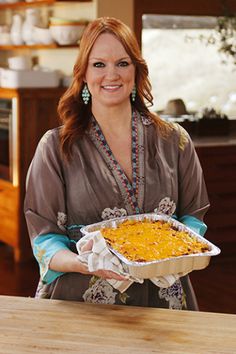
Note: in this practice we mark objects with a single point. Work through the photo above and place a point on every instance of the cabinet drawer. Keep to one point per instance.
(219, 167)
(221, 220)
(225, 202)
(221, 187)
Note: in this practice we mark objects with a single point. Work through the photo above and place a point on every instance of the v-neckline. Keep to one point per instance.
(132, 191)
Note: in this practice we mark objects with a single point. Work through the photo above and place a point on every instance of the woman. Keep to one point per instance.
(111, 157)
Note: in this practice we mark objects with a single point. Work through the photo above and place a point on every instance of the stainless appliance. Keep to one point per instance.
(8, 140)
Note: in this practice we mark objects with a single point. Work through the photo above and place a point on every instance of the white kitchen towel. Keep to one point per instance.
(100, 257)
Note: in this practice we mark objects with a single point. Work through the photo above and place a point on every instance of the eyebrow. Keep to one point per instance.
(123, 58)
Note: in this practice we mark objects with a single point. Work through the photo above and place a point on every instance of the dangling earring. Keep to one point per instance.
(133, 93)
(85, 94)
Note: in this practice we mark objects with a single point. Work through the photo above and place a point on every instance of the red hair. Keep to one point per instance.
(74, 114)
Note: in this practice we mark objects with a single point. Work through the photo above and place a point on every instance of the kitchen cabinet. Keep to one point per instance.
(33, 111)
(218, 161)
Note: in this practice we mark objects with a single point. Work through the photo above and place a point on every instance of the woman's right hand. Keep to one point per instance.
(104, 274)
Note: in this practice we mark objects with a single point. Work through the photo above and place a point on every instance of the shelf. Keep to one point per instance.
(37, 46)
(23, 4)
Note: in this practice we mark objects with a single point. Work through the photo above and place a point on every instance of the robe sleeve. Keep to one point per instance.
(193, 198)
(44, 207)
(44, 248)
(194, 224)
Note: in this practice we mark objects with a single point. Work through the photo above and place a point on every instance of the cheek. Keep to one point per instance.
(130, 76)
(130, 79)
(93, 78)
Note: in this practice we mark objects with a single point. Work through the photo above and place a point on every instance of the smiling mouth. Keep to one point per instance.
(111, 87)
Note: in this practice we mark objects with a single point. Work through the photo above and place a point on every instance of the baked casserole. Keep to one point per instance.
(150, 240)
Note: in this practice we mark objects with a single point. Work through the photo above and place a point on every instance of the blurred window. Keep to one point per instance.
(183, 66)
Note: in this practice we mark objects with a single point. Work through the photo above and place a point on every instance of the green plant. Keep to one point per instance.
(211, 113)
(223, 36)
(226, 39)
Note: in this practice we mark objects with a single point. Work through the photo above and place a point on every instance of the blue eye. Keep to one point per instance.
(98, 64)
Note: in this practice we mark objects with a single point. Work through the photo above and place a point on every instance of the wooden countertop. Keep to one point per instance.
(52, 326)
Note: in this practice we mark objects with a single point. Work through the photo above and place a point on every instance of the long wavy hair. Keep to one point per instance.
(73, 113)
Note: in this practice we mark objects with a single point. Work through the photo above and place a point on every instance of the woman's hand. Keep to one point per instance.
(67, 261)
(88, 246)
(104, 274)
(108, 274)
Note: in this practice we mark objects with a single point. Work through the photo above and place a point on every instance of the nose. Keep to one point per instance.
(112, 72)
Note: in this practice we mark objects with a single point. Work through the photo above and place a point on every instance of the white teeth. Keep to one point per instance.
(111, 86)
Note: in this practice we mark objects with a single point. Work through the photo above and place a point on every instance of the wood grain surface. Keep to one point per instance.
(30, 325)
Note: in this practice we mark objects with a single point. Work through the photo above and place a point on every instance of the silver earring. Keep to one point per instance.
(133, 94)
(85, 94)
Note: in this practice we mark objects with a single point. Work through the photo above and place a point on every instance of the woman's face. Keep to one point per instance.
(110, 74)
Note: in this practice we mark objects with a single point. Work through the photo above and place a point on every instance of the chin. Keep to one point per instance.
(116, 102)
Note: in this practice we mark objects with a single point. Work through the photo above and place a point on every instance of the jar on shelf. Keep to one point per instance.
(16, 30)
(32, 18)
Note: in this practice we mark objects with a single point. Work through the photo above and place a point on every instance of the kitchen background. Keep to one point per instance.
(184, 64)
(187, 72)
(62, 59)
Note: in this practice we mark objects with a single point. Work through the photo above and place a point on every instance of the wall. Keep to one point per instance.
(122, 9)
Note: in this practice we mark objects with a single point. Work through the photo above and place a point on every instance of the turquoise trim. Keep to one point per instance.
(44, 248)
(74, 226)
(194, 224)
(50, 276)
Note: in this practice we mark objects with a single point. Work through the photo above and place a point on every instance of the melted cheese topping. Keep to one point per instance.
(144, 241)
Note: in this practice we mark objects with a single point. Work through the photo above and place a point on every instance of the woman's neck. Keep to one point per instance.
(114, 119)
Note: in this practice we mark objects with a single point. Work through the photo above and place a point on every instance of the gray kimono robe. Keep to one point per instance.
(61, 196)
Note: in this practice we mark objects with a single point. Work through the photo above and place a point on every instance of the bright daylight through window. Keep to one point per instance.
(183, 66)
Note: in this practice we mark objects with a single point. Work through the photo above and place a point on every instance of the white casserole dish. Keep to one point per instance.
(29, 78)
(146, 270)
